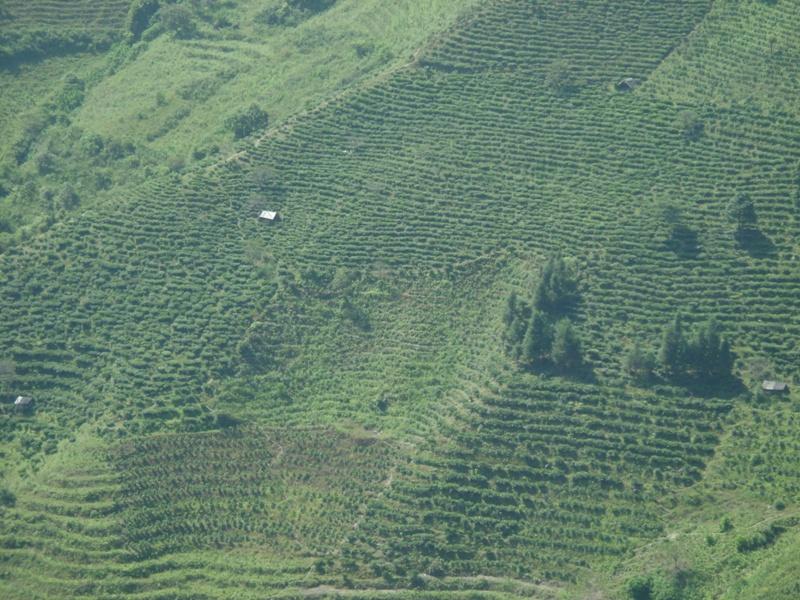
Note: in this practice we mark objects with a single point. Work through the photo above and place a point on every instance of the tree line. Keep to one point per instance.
(538, 333)
(702, 354)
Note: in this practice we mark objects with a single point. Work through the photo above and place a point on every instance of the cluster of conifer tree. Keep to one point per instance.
(539, 332)
(703, 354)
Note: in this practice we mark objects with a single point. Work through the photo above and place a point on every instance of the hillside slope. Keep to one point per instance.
(325, 405)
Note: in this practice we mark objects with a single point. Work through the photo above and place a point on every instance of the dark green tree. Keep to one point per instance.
(538, 340)
(246, 122)
(178, 19)
(640, 588)
(709, 355)
(672, 354)
(67, 197)
(557, 289)
(140, 15)
(566, 353)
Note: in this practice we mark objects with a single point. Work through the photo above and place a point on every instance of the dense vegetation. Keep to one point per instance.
(507, 338)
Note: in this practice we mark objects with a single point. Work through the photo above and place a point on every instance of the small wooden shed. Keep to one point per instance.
(269, 216)
(628, 84)
(774, 387)
(23, 403)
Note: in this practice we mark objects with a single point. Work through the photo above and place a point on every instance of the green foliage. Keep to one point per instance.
(179, 20)
(559, 78)
(725, 525)
(247, 121)
(515, 319)
(764, 537)
(70, 96)
(709, 354)
(690, 125)
(140, 16)
(742, 211)
(256, 348)
(127, 318)
(293, 12)
(67, 198)
(557, 289)
(672, 353)
(538, 341)
(531, 331)
(639, 363)
(7, 497)
(566, 354)
(705, 355)
(38, 43)
(640, 588)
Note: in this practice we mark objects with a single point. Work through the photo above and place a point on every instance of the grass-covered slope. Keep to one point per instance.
(412, 205)
(157, 101)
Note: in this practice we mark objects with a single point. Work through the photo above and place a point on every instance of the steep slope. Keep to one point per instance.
(410, 208)
(134, 103)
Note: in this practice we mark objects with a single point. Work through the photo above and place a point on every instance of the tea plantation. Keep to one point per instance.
(507, 338)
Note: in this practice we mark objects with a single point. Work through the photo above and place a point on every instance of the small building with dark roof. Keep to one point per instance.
(23, 403)
(774, 387)
(628, 84)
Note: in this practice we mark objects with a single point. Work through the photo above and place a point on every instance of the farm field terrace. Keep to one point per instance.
(329, 405)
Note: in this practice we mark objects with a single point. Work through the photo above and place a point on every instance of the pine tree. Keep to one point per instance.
(672, 354)
(710, 354)
(556, 289)
(566, 353)
(538, 339)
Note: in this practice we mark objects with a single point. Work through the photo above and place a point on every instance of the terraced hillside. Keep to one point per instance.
(757, 71)
(29, 28)
(175, 326)
(100, 118)
(109, 14)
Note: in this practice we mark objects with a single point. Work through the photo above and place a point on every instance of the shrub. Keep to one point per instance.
(224, 420)
(247, 121)
(726, 525)
(638, 363)
(140, 16)
(179, 20)
(67, 198)
(71, 94)
(7, 497)
(558, 77)
(45, 162)
(690, 125)
(640, 588)
(293, 12)
(765, 537)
